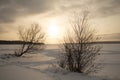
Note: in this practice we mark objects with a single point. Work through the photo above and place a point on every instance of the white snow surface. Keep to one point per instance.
(42, 65)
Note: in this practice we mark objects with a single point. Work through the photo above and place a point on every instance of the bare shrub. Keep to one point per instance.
(79, 51)
(32, 39)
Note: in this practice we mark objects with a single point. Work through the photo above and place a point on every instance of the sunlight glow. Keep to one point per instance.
(53, 30)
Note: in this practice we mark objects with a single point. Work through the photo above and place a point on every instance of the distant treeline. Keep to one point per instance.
(21, 42)
(107, 42)
(99, 42)
(16, 42)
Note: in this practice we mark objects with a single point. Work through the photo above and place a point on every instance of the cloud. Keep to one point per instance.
(11, 9)
(3, 30)
(100, 8)
(107, 7)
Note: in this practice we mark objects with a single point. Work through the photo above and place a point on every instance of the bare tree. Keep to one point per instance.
(79, 49)
(32, 39)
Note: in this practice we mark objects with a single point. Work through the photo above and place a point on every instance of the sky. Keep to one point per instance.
(53, 16)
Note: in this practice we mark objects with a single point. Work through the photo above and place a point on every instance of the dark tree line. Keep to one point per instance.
(15, 42)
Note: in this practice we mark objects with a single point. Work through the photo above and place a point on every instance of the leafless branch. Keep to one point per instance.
(31, 38)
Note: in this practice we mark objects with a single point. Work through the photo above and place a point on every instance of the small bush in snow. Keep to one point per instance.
(32, 39)
(79, 51)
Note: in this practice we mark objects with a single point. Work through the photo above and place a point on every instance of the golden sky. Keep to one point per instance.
(53, 16)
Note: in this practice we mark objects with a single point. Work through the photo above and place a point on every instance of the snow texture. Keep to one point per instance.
(42, 65)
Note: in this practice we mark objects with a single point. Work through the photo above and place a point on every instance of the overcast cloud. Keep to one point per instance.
(10, 9)
(13, 9)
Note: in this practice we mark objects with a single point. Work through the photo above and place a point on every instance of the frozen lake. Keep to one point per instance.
(110, 57)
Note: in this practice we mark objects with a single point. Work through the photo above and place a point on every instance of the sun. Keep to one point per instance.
(53, 31)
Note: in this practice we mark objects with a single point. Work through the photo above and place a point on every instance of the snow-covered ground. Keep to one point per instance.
(42, 65)
(110, 59)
